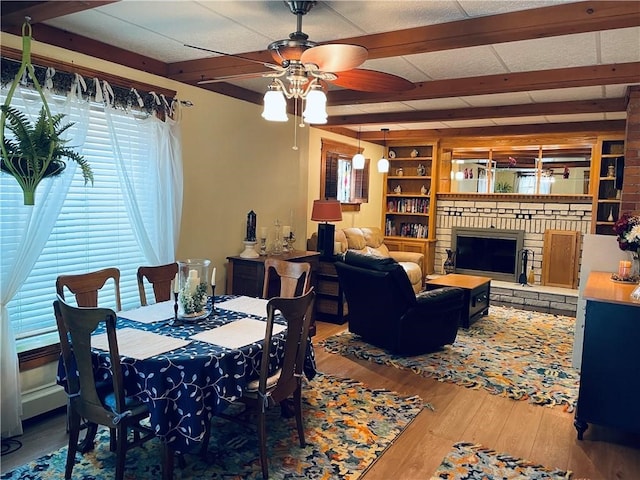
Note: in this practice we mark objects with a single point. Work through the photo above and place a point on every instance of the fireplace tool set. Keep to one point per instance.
(525, 279)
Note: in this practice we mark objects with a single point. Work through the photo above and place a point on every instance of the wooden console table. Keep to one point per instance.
(476, 294)
(609, 387)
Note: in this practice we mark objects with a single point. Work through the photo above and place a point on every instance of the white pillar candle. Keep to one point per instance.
(176, 286)
(263, 232)
(286, 230)
(213, 277)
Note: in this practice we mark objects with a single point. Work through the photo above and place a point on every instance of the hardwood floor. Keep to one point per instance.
(539, 434)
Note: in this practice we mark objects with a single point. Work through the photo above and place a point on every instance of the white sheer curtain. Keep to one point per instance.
(29, 228)
(158, 238)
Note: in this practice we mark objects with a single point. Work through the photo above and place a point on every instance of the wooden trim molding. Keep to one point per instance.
(515, 197)
(37, 357)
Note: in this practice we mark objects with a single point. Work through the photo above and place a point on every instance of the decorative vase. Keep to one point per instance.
(450, 263)
(193, 275)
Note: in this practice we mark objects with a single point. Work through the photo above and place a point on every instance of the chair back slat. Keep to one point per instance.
(294, 277)
(160, 278)
(85, 286)
(298, 312)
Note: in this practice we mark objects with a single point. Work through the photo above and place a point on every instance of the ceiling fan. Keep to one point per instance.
(305, 64)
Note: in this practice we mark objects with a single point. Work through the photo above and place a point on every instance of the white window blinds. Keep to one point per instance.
(93, 230)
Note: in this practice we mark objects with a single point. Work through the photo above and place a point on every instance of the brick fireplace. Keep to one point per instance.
(533, 217)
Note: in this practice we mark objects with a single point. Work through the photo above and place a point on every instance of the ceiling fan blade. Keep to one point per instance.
(335, 57)
(372, 81)
(247, 59)
(241, 76)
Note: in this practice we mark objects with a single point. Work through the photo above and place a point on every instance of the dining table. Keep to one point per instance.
(186, 371)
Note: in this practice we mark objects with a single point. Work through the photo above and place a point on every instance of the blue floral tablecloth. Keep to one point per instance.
(183, 388)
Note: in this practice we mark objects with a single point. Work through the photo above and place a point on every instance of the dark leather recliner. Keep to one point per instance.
(385, 311)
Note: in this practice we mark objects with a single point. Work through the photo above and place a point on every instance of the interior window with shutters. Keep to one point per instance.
(339, 180)
(92, 231)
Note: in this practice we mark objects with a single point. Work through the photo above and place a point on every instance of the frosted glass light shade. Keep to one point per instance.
(383, 165)
(358, 161)
(315, 110)
(275, 106)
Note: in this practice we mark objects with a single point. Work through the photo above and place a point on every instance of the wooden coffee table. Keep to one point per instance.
(476, 292)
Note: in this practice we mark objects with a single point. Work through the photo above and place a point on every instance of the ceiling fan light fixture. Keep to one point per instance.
(275, 105)
(315, 110)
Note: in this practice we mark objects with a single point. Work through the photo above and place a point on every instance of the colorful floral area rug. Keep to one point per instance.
(467, 461)
(347, 426)
(518, 354)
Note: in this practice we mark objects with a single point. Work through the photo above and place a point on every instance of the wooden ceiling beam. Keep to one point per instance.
(14, 12)
(475, 113)
(500, 83)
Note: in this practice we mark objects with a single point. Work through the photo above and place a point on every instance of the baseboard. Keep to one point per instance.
(42, 399)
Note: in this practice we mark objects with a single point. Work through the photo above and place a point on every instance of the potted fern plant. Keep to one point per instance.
(36, 151)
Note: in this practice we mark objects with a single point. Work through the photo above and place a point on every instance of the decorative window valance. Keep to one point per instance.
(120, 92)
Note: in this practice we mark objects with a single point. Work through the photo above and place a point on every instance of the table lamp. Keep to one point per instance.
(326, 211)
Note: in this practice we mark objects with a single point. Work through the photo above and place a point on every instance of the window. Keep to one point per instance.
(93, 230)
(339, 180)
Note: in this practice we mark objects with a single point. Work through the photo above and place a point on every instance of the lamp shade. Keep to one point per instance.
(326, 211)
(275, 106)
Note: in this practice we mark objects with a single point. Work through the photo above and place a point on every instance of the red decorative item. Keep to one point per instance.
(565, 174)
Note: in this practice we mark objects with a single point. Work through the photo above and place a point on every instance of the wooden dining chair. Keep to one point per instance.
(160, 278)
(85, 286)
(273, 388)
(294, 277)
(108, 407)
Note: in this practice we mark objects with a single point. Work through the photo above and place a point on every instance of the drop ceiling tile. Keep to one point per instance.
(422, 126)
(462, 62)
(476, 8)
(615, 115)
(399, 66)
(532, 120)
(437, 104)
(386, 16)
(620, 46)
(567, 94)
(580, 117)
(511, 98)
(547, 53)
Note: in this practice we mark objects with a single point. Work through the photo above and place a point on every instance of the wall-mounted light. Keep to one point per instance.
(383, 163)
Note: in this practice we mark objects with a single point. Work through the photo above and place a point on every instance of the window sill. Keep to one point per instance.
(34, 356)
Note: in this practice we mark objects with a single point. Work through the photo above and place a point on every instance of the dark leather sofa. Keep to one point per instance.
(385, 311)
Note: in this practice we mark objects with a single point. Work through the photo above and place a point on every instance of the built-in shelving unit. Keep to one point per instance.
(607, 186)
(408, 200)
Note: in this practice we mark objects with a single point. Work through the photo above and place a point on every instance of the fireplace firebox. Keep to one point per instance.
(488, 252)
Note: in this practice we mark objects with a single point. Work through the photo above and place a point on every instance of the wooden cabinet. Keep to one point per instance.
(425, 247)
(607, 184)
(561, 258)
(609, 389)
(331, 305)
(408, 200)
(245, 276)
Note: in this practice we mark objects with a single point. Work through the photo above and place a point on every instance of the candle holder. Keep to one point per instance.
(213, 298)
(290, 240)
(175, 322)
(277, 244)
(193, 276)
(263, 247)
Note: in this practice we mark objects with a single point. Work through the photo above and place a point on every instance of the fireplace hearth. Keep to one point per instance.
(488, 252)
